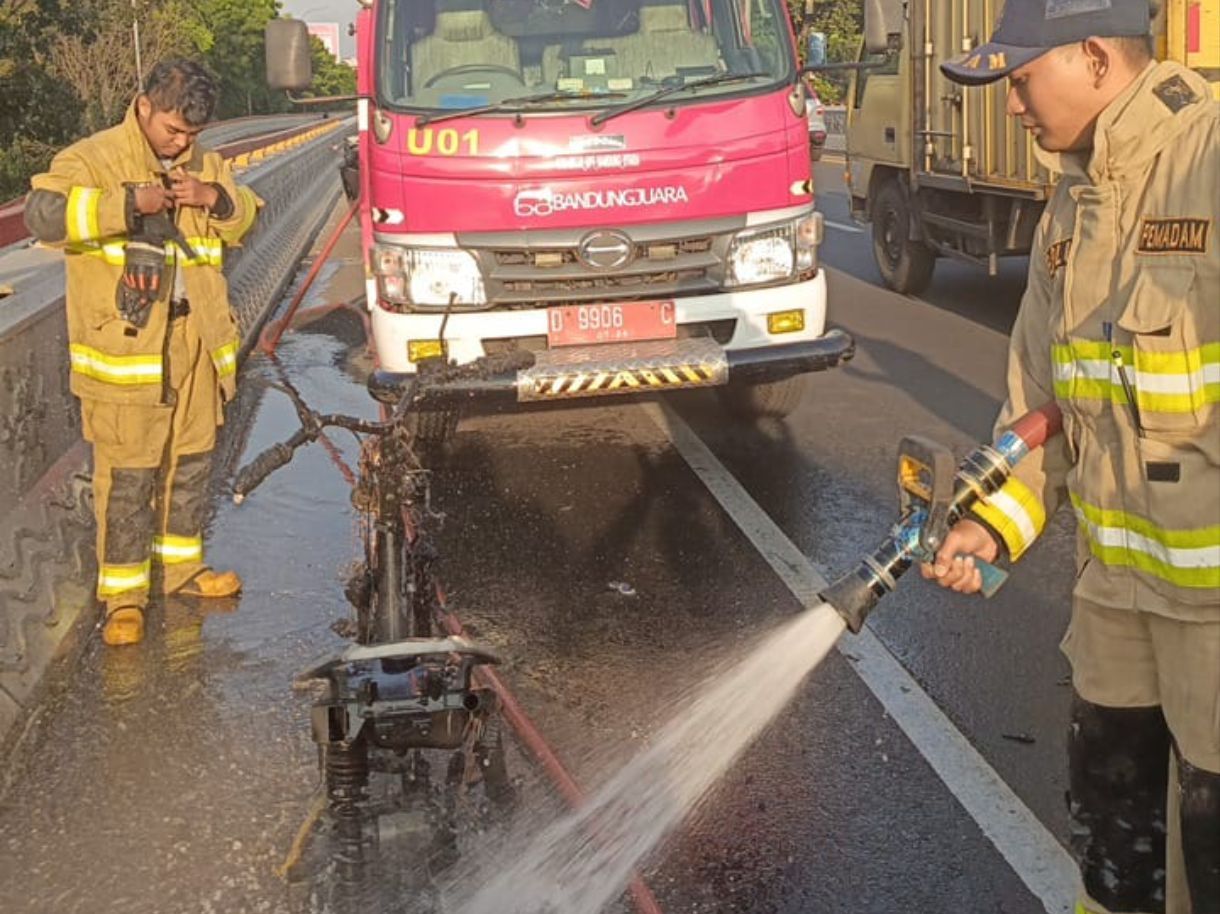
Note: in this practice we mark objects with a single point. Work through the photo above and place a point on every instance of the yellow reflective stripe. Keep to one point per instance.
(1165, 382)
(112, 251)
(82, 213)
(116, 579)
(1186, 557)
(1083, 350)
(174, 550)
(1016, 513)
(208, 252)
(1083, 370)
(115, 369)
(225, 359)
(1178, 382)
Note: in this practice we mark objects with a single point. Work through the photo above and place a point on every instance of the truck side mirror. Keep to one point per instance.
(876, 40)
(288, 62)
(815, 50)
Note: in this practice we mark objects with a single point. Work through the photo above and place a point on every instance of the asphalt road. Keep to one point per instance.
(173, 777)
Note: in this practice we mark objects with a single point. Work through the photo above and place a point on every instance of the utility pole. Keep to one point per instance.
(135, 31)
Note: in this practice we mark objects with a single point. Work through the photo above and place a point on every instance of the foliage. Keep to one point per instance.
(330, 76)
(67, 67)
(37, 112)
(237, 54)
(842, 22)
(100, 65)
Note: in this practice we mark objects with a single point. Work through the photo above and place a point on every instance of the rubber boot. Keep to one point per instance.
(1199, 794)
(1118, 780)
(209, 583)
(124, 625)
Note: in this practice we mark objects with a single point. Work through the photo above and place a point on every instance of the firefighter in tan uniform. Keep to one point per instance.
(143, 216)
(1120, 324)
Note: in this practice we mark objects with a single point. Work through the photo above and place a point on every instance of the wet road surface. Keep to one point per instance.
(174, 776)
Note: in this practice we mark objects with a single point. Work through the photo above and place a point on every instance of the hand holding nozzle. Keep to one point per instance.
(965, 561)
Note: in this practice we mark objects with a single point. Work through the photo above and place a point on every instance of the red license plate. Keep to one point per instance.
(616, 322)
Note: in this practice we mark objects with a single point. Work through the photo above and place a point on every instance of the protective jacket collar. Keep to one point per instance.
(1147, 117)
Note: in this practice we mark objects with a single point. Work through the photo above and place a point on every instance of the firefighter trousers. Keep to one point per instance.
(1144, 761)
(151, 467)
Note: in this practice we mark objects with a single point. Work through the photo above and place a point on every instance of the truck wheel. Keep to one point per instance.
(905, 265)
(764, 400)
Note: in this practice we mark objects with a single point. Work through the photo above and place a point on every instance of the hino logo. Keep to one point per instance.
(605, 250)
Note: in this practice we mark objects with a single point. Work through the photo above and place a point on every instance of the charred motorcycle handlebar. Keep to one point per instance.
(431, 382)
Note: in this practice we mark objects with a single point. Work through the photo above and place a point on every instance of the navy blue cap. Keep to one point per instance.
(1030, 28)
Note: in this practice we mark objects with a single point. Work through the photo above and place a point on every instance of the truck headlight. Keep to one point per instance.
(775, 252)
(428, 278)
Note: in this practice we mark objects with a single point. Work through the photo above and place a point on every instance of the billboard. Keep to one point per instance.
(328, 32)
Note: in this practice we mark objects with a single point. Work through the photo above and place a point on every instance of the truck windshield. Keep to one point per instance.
(448, 55)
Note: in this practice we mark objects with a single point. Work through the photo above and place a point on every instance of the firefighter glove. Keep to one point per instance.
(160, 228)
(142, 281)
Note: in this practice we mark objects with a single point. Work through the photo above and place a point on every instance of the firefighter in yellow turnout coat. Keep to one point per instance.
(143, 215)
(1120, 325)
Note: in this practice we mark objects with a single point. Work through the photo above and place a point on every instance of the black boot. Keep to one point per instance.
(1119, 777)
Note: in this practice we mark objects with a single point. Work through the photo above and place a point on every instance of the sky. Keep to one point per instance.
(340, 11)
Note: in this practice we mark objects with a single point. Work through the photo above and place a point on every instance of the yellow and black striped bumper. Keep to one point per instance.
(623, 368)
(627, 368)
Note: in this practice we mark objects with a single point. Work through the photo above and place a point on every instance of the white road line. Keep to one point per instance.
(843, 227)
(1033, 853)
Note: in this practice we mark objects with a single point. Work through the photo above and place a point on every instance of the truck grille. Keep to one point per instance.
(546, 276)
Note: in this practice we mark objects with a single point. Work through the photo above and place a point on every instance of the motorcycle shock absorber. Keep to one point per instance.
(934, 496)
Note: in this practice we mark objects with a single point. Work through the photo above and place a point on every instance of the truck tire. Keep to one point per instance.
(765, 399)
(905, 265)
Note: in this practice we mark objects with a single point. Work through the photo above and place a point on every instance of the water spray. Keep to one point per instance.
(934, 495)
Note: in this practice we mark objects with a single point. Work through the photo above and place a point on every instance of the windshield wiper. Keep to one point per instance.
(602, 116)
(511, 104)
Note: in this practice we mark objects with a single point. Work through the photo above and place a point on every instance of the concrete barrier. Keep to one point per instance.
(46, 520)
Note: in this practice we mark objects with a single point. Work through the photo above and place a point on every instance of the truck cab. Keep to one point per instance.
(621, 187)
(940, 170)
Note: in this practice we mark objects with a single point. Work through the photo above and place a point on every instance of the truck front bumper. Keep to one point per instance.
(581, 372)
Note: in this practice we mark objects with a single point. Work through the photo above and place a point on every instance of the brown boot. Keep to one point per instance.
(210, 583)
(124, 625)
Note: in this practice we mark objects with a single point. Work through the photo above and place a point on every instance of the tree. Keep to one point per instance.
(842, 22)
(38, 113)
(330, 76)
(99, 63)
(238, 53)
(67, 67)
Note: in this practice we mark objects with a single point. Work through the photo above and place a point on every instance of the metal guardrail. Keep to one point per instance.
(46, 522)
(12, 213)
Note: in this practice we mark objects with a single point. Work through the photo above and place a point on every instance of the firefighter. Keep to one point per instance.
(143, 215)
(1120, 323)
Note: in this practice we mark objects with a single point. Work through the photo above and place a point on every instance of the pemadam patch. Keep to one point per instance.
(1057, 256)
(1174, 236)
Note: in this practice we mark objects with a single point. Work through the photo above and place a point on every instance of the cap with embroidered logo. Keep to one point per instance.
(1030, 28)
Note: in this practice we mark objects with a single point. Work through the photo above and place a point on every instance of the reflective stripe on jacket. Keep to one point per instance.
(80, 205)
(1121, 325)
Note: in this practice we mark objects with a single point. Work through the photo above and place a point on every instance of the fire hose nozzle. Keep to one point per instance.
(934, 497)
(853, 597)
